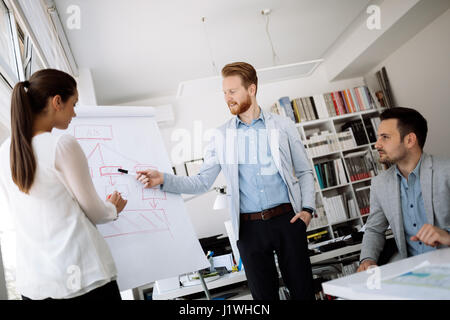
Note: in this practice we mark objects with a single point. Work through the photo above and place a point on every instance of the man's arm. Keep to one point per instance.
(304, 174)
(302, 167)
(199, 183)
(374, 235)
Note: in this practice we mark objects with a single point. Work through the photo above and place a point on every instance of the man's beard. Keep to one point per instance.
(392, 160)
(241, 107)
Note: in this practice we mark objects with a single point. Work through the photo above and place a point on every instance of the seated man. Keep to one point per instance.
(412, 196)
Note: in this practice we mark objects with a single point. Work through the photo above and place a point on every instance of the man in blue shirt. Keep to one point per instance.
(270, 185)
(412, 196)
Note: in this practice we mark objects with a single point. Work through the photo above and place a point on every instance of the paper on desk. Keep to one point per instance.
(225, 260)
(430, 276)
(424, 282)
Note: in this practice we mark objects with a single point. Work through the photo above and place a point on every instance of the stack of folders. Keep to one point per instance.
(331, 173)
(321, 106)
(360, 165)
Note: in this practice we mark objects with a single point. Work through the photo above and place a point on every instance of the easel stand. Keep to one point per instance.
(205, 288)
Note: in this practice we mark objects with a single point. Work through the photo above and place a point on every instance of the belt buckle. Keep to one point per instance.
(263, 213)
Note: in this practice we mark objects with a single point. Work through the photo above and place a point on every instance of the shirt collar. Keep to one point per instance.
(416, 170)
(261, 117)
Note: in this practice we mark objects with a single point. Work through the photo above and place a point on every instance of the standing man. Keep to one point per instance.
(270, 188)
(412, 196)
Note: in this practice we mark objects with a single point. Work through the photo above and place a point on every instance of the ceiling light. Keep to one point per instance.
(266, 75)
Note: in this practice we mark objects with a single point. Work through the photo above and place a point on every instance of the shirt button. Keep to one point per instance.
(420, 243)
(262, 190)
(412, 206)
(414, 225)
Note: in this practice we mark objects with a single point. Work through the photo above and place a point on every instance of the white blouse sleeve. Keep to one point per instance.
(72, 164)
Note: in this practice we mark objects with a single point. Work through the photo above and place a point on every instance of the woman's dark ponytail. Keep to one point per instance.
(23, 163)
(28, 99)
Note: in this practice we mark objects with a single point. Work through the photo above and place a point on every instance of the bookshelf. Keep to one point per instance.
(351, 189)
(344, 143)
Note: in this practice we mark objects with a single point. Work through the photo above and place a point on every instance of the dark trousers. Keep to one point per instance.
(109, 291)
(257, 242)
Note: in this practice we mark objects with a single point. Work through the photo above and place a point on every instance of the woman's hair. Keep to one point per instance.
(29, 98)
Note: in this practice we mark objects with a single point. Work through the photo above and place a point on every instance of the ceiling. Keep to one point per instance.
(140, 49)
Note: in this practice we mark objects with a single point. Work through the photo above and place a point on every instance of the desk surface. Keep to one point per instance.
(355, 286)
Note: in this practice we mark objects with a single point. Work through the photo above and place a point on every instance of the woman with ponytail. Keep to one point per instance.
(45, 180)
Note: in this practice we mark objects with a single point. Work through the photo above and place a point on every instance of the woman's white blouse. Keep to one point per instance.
(59, 251)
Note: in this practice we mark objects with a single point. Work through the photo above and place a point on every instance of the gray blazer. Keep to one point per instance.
(385, 205)
(288, 154)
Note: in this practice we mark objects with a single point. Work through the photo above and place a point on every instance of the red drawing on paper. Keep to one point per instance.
(143, 213)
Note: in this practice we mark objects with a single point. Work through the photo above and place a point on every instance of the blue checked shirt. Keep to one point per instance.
(260, 185)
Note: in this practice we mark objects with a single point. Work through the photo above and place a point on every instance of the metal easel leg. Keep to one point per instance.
(205, 288)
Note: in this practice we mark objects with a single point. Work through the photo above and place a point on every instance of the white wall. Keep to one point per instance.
(419, 73)
(4, 133)
(210, 111)
(86, 89)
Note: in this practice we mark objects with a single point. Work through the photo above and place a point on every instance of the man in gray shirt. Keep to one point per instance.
(412, 196)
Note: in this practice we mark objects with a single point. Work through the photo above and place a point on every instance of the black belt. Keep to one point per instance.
(268, 214)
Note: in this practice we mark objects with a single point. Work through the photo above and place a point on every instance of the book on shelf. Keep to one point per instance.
(387, 87)
(358, 130)
(360, 165)
(371, 125)
(319, 219)
(383, 81)
(346, 139)
(285, 104)
(335, 209)
(321, 106)
(297, 114)
(330, 173)
(352, 208)
(363, 198)
(331, 109)
(321, 143)
(379, 167)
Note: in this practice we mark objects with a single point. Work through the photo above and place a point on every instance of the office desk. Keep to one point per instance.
(236, 277)
(227, 279)
(356, 286)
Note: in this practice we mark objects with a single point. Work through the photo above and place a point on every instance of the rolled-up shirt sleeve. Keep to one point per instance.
(71, 163)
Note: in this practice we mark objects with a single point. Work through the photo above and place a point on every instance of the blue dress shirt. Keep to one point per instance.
(260, 184)
(413, 210)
